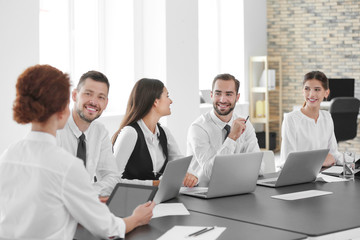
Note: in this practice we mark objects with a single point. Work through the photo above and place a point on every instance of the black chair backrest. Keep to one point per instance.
(344, 112)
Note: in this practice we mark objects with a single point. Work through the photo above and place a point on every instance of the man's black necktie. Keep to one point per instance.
(227, 129)
(81, 151)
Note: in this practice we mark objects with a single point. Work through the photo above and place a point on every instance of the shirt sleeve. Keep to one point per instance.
(173, 148)
(107, 170)
(250, 142)
(333, 144)
(288, 144)
(204, 154)
(82, 202)
(123, 148)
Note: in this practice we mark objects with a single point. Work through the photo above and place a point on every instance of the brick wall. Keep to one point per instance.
(312, 35)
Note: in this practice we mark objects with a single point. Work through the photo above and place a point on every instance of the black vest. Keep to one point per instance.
(140, 164)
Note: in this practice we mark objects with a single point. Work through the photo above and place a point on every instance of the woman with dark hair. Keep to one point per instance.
(142, 146)
(311, 128)
(44, 190)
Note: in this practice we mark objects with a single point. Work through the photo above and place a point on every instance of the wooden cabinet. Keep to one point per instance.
(271, 96)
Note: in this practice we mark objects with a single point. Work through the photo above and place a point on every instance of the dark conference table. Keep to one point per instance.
(234, 229)
(314, 217)
(258, 216)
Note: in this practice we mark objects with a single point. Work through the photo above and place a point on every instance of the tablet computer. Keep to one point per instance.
(126, 197)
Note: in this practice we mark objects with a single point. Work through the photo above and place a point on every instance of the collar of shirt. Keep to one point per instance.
(41, 137)
(218, 122)
(152, 137)
(74, 128)
(302, 115)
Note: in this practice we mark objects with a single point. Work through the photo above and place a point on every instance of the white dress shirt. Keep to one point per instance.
(125, 144)
(99, 158)
(301, 133)
(205, 140)
(45, 193)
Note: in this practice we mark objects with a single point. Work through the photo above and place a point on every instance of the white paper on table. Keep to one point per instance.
(182, 232)
(301, 195)
(169, 209)
(193, 189)
(334, 170)
(329, 179)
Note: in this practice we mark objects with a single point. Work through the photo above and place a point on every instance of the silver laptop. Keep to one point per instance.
(172, 179)
(268, 163)
(299, 167)
(231, 174)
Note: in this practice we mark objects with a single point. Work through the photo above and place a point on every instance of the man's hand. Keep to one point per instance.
(238, 127)
(329, 161)
(190, 180)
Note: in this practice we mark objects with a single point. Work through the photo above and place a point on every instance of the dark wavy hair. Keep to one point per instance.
(41, 91)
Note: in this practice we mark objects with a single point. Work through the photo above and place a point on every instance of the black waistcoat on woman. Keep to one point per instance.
(139, 165)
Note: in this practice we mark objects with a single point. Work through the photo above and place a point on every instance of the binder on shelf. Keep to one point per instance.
(271, 79)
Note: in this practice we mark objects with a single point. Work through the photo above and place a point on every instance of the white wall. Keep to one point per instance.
(19, 49)
(255, 34)
(182, 67)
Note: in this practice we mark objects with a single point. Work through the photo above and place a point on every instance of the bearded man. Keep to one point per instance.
(88, 139)
(218, 132)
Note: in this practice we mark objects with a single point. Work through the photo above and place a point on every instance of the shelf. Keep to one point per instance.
(270, 97)
(263, 90)
(264, 120)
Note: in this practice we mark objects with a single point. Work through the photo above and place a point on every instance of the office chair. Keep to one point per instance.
(344, 112)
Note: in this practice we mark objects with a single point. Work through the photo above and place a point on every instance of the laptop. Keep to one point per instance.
(231, 174)
(268, 163)
(299, 167)
(172, 179)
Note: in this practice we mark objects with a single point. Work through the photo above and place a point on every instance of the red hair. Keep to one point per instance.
(41, 91)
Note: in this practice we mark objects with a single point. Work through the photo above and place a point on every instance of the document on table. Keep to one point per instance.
(334, 170)
(183, 232)
(327, 178)
(301, 195)
(169, 209)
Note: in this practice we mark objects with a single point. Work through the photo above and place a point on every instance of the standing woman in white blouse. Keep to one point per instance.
(311, 128)
(44, 190)
(142, 147)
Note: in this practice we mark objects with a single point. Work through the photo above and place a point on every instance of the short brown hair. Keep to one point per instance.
(94, 75)
(41, 91)
(226, 77)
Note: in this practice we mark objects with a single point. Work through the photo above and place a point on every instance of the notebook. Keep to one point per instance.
(231, 174)
(299, 167)
(172, 179)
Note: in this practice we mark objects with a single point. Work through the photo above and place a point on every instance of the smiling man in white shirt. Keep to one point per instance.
(90, 100)
(220, 131)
